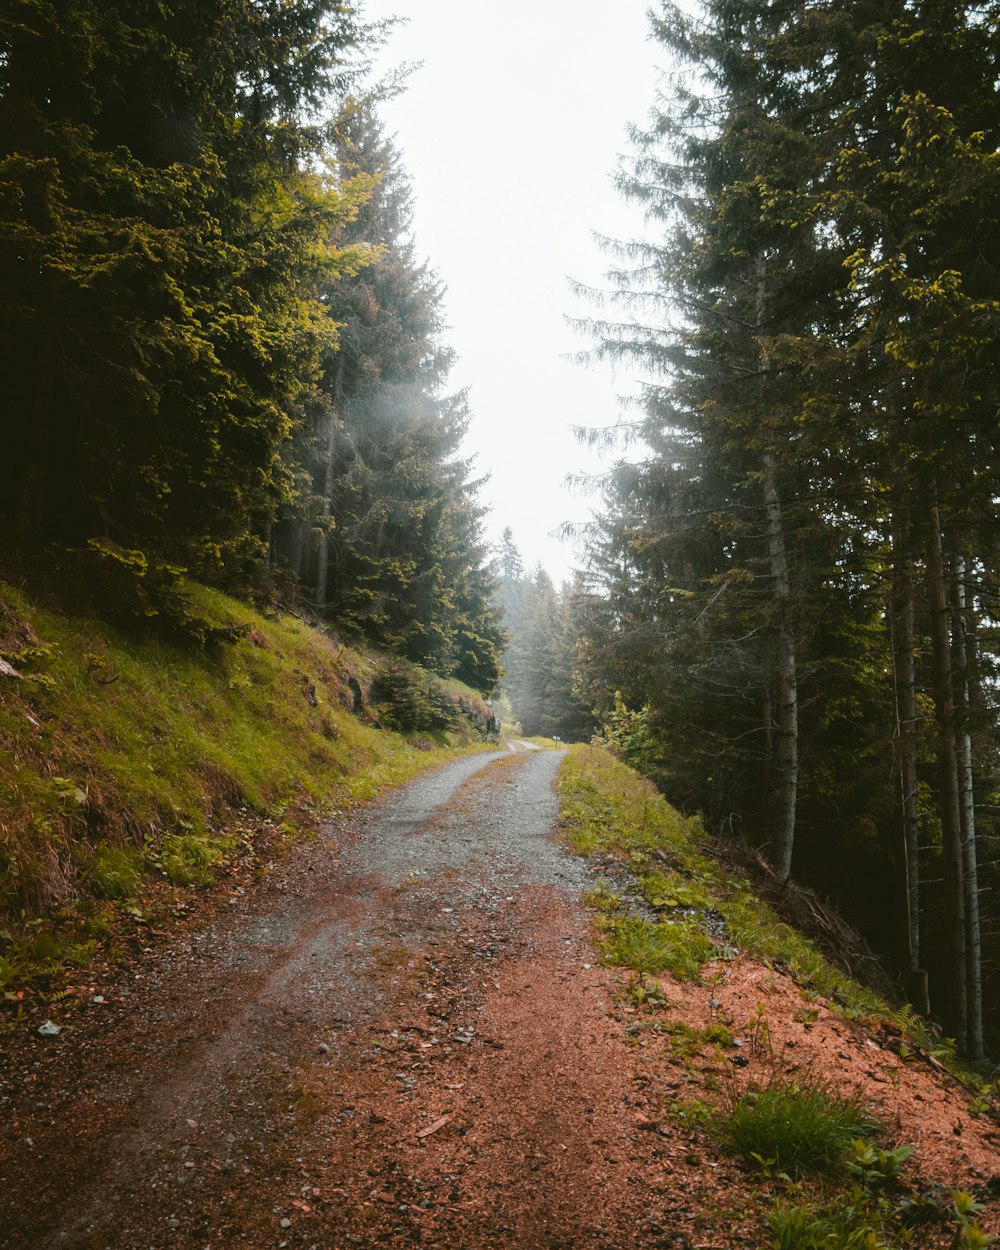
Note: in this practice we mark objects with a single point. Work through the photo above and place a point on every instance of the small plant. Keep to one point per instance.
(801, 1127)
(646, 993)
(719, 1035)
(692, 1113)
(875, 1165)
(633, 942)
(116, 871)
(759, 1038)
(850, 1225)
(671, 892)
(190, 858)
(968, 1234)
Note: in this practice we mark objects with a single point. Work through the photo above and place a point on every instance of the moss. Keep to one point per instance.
(128, 754)
(607, 807)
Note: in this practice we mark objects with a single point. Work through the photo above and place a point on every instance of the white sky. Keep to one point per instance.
(510, 133)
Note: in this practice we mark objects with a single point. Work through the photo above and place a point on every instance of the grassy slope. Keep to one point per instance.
(130, 759)
(607, 807)
(662, 891)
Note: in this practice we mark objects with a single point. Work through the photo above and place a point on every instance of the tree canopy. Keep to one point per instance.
(203, 237)
(795, 582)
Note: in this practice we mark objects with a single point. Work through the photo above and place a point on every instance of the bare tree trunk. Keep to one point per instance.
(326, 511)
(323, 563)
(901, 618)
(785, 782)
(961, 631)
(951, 817)
(784, 779)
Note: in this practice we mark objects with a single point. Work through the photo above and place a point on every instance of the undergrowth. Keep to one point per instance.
(608, 809)
(664, 905)
(797, 1127)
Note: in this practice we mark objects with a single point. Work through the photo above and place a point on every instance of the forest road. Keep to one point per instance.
(402, 1036)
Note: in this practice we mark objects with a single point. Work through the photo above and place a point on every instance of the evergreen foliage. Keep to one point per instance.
(795, 584)
(539, 663)
(387, 529)
(212, 318)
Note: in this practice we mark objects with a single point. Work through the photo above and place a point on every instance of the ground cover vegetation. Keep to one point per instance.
(139, 768)
(788, 614)
(825, 1150)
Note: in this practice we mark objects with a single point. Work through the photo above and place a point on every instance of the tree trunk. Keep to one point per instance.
(326, 511)
(901, 618)
(785, 772)
(323, 561)
(951, 817)
(962, 629)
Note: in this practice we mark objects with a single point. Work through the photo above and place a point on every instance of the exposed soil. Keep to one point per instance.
(405, 1036)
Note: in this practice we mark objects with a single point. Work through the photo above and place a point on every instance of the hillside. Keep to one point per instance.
(145, 758)
(851, 1119)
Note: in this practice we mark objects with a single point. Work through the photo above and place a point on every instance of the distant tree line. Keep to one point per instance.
(218, 346)
(793, 583)
(538, 664)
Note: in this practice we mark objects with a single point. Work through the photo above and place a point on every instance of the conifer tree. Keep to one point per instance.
(386, 530)
(817, 314)
(159, 232)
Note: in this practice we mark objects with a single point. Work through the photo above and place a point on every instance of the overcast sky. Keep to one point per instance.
(510, 131)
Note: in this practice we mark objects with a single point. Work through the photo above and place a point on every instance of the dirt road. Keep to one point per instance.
(401, 1037)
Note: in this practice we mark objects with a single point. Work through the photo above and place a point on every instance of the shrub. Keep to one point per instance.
(116, 871)
(409, 702)
(191, 858)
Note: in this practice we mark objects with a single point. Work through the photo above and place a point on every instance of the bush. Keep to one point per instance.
(191, 858)
(630, 736)
(407, 701)
(116, 871)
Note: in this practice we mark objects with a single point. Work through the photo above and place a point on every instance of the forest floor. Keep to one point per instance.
(405, 1035)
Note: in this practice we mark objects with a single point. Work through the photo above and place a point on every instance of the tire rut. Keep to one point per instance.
(134, 1114)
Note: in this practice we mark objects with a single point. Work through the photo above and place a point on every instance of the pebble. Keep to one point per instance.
(285, 1223)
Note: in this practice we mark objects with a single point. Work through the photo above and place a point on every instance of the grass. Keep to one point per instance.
(842, 1186)
(798, 1128)
(607, 808)
(128, 758)
(649, 947)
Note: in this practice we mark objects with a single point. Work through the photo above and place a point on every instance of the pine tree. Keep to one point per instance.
(160, 231)
(389, 505)
(817, 317)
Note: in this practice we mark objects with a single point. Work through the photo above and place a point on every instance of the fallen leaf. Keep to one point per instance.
(433, 1128)
(302, 1206)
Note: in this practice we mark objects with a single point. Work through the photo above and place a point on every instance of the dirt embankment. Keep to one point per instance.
(405, 1037)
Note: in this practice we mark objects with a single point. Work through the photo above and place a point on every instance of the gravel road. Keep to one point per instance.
(402, 1036)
